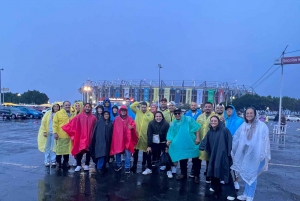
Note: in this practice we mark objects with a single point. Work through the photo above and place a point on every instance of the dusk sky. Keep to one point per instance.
(55, 46)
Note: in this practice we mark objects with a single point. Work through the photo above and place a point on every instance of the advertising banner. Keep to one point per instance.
(221, 96)
(177, 95)
(117, 92)
(199, 96)
(155, 94)
(136, 94)
(146, 94)
(126, 92)
(211, 94)
(167, 94)
(188, 96)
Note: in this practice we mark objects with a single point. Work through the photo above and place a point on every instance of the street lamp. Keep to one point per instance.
(19, 95)
(86, 89)
(159, 67)
(231, 98)
(1, 69)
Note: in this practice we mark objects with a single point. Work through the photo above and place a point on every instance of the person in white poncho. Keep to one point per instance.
(250, 152)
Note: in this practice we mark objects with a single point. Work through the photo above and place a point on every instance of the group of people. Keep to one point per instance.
(230, 146)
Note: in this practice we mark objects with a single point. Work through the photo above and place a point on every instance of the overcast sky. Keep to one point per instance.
(55, 46)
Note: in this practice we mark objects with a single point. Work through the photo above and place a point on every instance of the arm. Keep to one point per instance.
(150, 135)
(133, 107)
(43, 124)
(170, 135)
(197, 137)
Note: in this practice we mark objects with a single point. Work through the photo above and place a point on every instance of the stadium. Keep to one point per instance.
(181, 92)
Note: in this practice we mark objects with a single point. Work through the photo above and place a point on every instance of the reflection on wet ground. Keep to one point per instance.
(23, 176)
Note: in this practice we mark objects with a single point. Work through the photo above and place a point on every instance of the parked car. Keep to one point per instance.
(4, 113)
(31, 113)
(46, 110)
(16, 113)
(292, 118)
(271, 117)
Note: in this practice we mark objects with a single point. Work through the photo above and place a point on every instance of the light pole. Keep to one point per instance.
(86, 89)
(159, 67)
(1, 69)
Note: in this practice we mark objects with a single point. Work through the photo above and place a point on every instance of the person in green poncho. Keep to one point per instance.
(142, 119)
(183, 140)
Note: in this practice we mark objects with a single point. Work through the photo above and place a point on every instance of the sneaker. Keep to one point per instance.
(170, 175)
(59, 166)
(162, 168)
(222, 182)
(117, 169)
(181, 177)
(249, 199)
(208, 181)
(147, 171)
(174, 170)
(74, 164)
(53, 164)
(192, 175)
(196, 180)
(86, 168)
(230, 198)
(66, 165)
(111, 160)
(236, 185)
(133, 168)
(77, 169)
(127, 171)
(47, 164)
(242, 197)
(211, 190)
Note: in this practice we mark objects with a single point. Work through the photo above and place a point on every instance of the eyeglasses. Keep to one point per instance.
(176, 113)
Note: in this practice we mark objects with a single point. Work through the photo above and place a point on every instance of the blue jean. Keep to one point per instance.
(50, 156)
(101, 162)
(127, 159)
(250, 189)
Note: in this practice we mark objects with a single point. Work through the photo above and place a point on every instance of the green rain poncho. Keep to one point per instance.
(142, 120)
(182, 134)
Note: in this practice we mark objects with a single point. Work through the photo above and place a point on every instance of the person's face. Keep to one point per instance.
(158, 117)
(229, 112)
(123, 112)
(193, 106)
(163, 104)
(67, 106)
(208, 108)
(99, 110)
(127, 103)
(177, 115)
(250, 114)
(115, 110)
(77, 107)
(106, 104)
(55, 108)
(219, 109)
(106, 116)
(144, 108)
(171, 107)
(153, 109)
(87, 109)
(214, 122)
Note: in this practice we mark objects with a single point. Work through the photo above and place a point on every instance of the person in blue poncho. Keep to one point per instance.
(129, 110)
(233, 122)
(114, 113)
(193, 112)
(107, 105)
(183, 140)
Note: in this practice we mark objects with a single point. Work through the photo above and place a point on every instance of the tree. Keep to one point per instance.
(34, 97)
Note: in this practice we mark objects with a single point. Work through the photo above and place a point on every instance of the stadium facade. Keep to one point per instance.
(182, 92)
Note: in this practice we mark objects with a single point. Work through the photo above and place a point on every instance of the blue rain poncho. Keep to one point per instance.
(233, 122)
(190, 114)
(182, 136)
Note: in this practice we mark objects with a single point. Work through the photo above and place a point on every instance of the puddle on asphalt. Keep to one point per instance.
(114, 197)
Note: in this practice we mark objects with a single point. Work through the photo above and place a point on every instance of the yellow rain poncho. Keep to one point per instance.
(73, 108)
(169, 117)
(204, 121)
(63, 145)
(142, 120)
(44, 128)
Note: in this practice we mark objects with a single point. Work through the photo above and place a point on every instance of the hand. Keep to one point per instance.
(197, 141)
(129, 126)
(55, 136)
(168, 143)
(45, 134)
(148, 150)
(167, 149)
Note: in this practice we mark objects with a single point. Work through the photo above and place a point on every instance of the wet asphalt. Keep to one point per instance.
(24, 177)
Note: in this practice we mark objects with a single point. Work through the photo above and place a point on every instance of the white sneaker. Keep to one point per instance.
(222, 182)
(212, 190)
(147, 171)
(174, 170)
(162, 168)
(170, 175)
(77, 169)
(75, 164)
(249, 199)
(47, 164)
(86, 168)
(242, 197)
(236, 185)
(230, 198)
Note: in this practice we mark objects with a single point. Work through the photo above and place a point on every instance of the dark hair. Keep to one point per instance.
(143, 103)
(66, 102)
(115, 106)
(214, 116)
(159, 113)
(54, 105)
(99, 106)
(107, 113)
(87, 104)
(246, 111)
(210, 103)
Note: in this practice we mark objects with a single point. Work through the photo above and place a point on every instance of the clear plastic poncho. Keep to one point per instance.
(250, 146)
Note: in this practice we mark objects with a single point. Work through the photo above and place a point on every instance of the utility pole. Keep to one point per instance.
(159, 67)
(1, 69)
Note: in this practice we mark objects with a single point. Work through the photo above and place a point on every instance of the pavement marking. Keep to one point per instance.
(17, 142)
(19, 165)
(284, 165)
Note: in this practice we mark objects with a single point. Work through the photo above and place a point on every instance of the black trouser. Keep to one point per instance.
(87, 158)
(228, 187)
(216, 185)
(196, 165)
(66, 158)
(136, 157)
(156, 150)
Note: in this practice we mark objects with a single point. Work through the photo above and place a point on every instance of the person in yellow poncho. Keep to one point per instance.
(142, 119)
(78, 108)
(204, 121)
(220, 112)
(63, 142)
(164, 109)
(45, 137)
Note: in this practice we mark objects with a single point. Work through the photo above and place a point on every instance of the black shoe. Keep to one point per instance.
(181, 177)
(143, 168)
(65, 165)
(196, 180)
(117, 169)
(133, 168)
(208, 180)
(58, 166)
(204, 173)
(127, 171)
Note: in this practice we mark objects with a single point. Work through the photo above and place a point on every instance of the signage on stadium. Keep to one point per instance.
(290, 60)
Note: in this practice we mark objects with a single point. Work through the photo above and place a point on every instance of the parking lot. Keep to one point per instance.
(24, 177)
